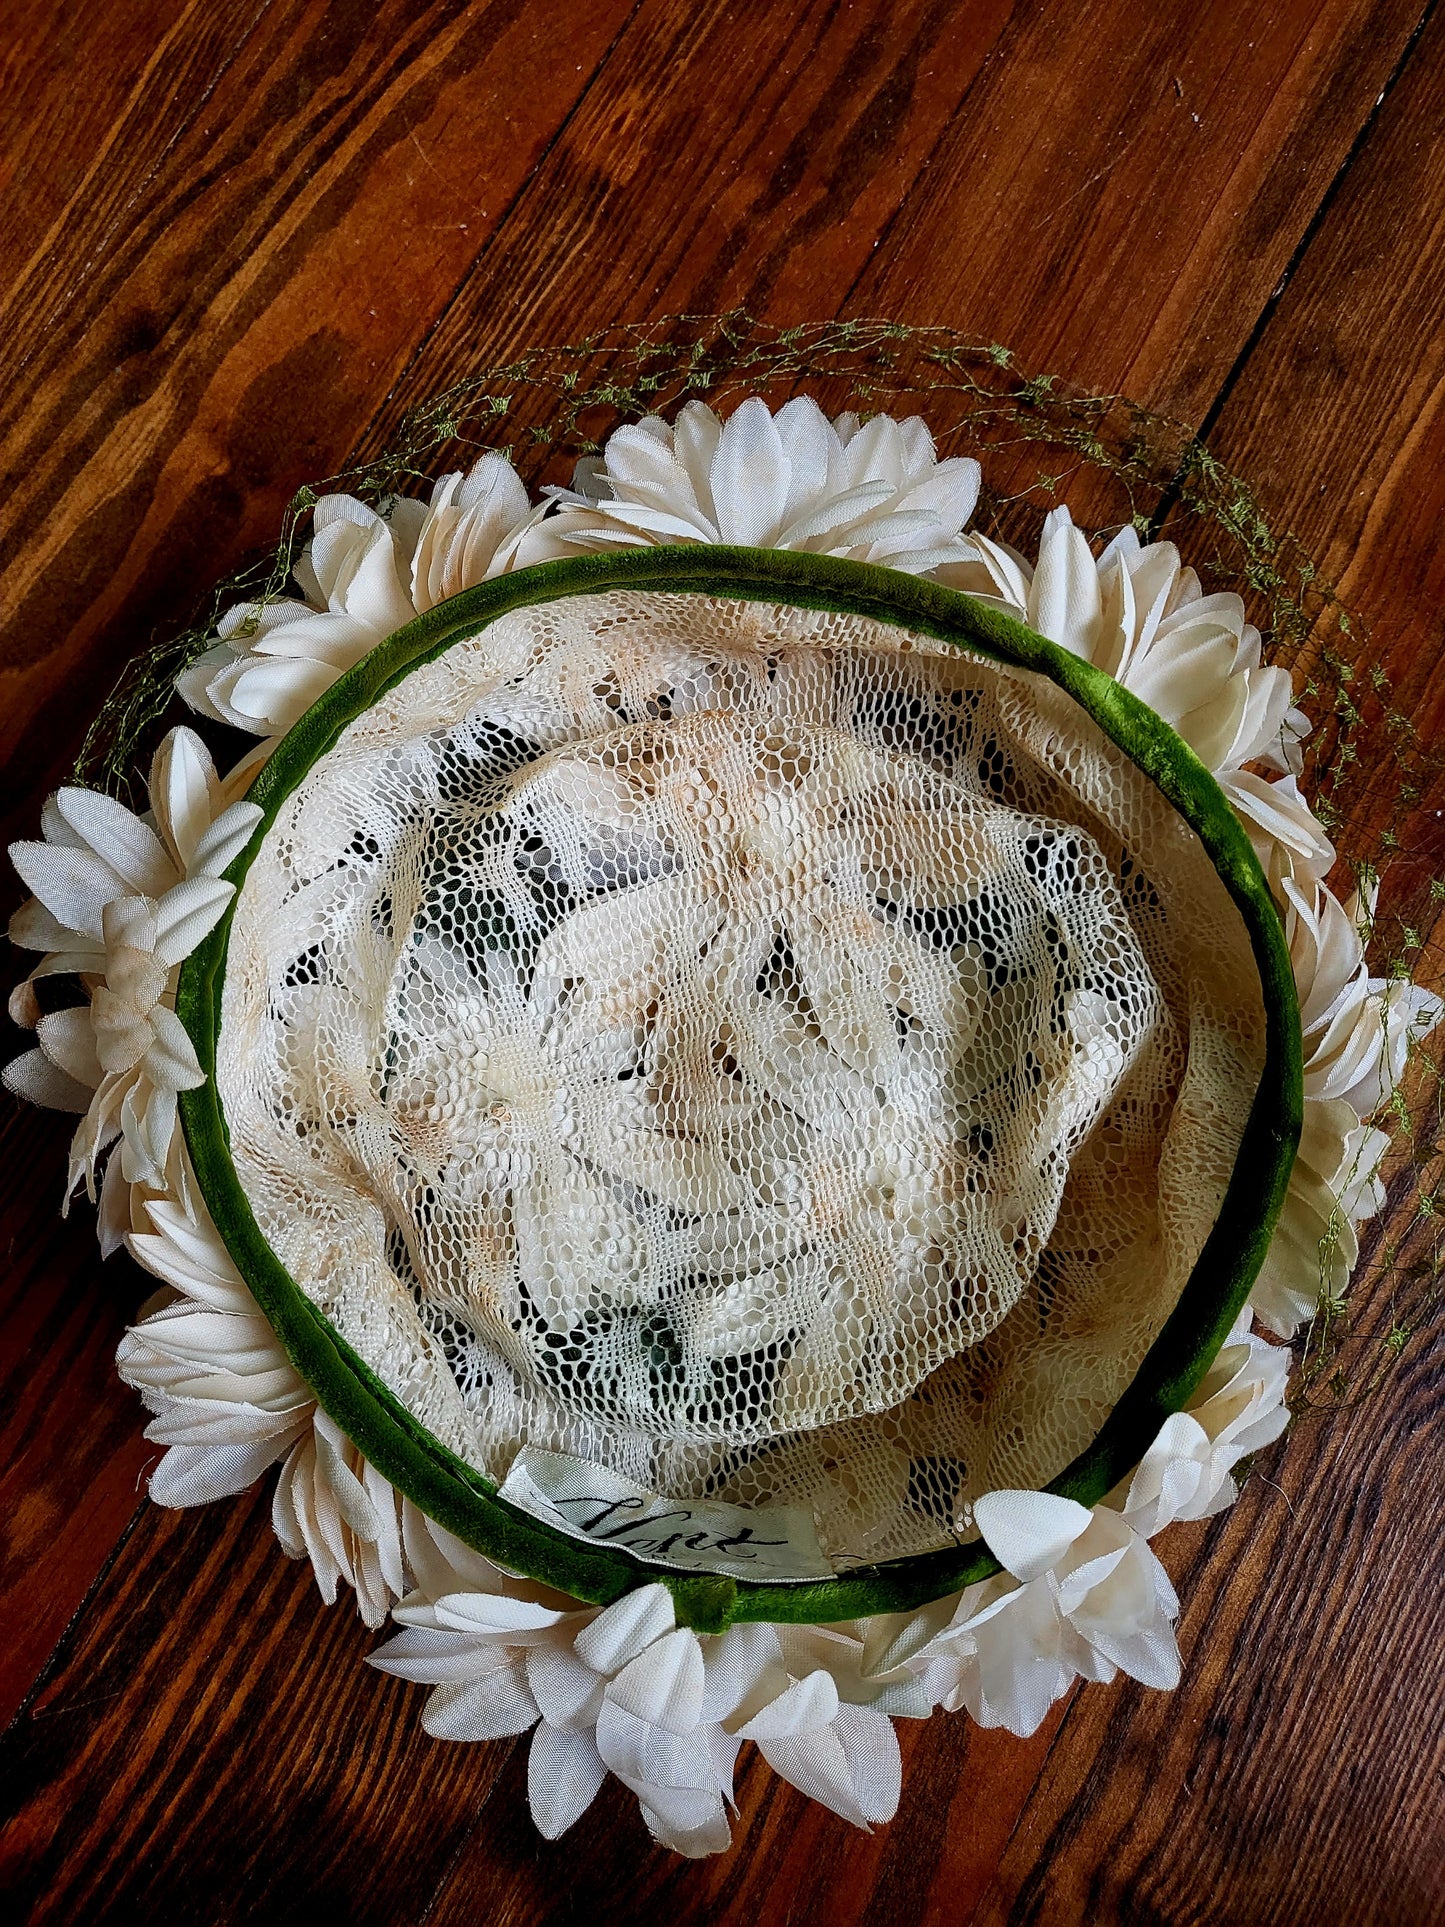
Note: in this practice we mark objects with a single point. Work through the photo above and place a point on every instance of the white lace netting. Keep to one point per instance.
(770, 1054)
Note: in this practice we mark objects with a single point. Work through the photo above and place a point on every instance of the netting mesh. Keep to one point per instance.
(774, 1056)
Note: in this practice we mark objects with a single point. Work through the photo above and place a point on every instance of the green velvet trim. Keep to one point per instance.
(461, 1499)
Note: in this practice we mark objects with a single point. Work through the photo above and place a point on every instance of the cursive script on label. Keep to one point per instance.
(592, 1502)
(639, 1531)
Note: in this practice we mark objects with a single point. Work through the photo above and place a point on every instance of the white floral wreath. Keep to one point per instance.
(121, 900)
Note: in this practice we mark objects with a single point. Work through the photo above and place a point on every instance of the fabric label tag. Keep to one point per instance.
(694, 1535)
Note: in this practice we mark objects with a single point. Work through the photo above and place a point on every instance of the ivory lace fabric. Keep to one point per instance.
(767, 1053)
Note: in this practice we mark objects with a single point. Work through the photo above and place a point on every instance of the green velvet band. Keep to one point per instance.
(461, 1499)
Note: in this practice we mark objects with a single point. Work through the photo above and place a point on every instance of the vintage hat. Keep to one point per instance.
(727, 1086)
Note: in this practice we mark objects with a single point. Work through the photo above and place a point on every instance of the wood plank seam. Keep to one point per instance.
(61, 1650)
(1316, 222)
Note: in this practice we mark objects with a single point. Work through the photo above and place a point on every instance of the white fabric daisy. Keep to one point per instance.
(624, 1689)
(1140, 615)
(1081, 1595)
(121, 901)
(334, 1509)
(1286, 835)
(1358, 1031)
(1137, 613)
(1334, 1185)
(228, 1404)
(1188, 1472)
(875, 491)
(364, 575)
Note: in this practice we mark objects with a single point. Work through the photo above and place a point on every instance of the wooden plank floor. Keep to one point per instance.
(238, 237)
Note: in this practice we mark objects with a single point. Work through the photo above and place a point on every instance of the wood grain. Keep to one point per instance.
(793, 1863)
(258, 223)
(780, 153)
(75, 70)
(1126, 190)
(289, 201)
(1074, 204)
(356, 1815)
(72, 1459)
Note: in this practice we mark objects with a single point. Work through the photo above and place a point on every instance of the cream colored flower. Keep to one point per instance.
(228, 1403)
(1358, 1029)
(619, 1689)
(363, 576)
(1286, 835)
(1138, 614)
(801, 1695)
(875, 492)
(275, 658)
(145, 1056)
(627, 1690)
(1187, 1473)
(1081, 1595)
(334, 1509)
(1333, 1187)
(477, 526)
(121, 901)
(1090, 1598)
